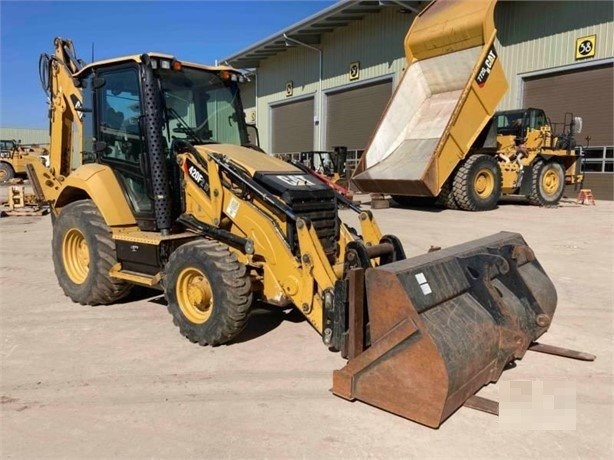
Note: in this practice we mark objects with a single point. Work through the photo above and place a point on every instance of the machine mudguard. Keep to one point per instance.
(99, 183)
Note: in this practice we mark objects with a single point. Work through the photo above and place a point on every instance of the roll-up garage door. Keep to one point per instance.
(353, 114)
(292, 126)
(586, 92)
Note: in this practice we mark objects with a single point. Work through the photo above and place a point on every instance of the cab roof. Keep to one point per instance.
(137, 58)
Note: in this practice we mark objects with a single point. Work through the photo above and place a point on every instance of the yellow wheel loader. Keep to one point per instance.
(440, 139)
(14, 158)
(167, 192)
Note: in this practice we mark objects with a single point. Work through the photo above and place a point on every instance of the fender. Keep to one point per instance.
(527, 178)
(99, 183)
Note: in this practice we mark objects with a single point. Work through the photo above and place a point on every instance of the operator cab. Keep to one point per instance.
(142, 105)
(517, 122)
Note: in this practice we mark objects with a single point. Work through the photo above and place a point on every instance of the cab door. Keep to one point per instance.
(118, 126)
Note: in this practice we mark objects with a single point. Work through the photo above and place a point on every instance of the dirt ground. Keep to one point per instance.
(119, 381)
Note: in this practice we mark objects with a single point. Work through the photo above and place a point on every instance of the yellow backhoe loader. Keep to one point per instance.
(440, 139)
(167, 192)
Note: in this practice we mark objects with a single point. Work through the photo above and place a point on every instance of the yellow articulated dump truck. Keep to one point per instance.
(166, 191)
(439, 137)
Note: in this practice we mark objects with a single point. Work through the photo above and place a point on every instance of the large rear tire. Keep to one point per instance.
(547, 183)
(83, 254)
(208, 292)
(477, 184)
(6, 172)
(446, 196)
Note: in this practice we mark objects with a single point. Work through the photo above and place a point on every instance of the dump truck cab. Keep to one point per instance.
(7, 147)
(518, 122)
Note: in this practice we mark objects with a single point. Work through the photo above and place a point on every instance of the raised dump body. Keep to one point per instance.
(450, 89)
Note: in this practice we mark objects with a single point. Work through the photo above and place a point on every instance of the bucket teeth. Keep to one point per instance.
(446, 323)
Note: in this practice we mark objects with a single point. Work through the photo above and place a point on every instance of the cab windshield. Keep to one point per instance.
(201, 107)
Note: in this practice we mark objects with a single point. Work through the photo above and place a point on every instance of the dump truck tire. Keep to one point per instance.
(83, 254)
(6, 172)
(446, 196)
(477, 184)
(547, 183)
(208, 292)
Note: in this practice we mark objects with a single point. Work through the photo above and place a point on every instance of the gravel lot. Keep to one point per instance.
(119, 381)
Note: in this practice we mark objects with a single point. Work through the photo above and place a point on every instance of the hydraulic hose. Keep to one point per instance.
(44, 71)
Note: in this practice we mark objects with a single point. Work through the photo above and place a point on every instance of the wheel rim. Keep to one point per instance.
(76, 256)
(550, 182)
(3, 175)
(484, 183)
(194, 295)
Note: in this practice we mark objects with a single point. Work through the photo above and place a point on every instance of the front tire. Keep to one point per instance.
(83, 254)
(547, 183)
(477, 184)
(208, 292)
(6, 172)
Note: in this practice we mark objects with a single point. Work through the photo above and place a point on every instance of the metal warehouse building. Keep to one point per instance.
(26, 135)
(325, 81)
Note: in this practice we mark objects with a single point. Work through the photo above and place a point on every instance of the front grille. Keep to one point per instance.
(320, 208)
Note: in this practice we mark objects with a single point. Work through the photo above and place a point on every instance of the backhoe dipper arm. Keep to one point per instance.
(65, 104)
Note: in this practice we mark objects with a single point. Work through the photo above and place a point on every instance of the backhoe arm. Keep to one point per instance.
(65, 112)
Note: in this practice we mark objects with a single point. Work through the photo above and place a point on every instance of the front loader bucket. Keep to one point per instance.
(446, 323)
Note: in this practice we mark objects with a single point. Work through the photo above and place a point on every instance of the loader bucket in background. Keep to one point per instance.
(444, 324)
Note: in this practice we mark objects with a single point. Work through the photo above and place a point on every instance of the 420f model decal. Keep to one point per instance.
(196, 175)
(486, 67)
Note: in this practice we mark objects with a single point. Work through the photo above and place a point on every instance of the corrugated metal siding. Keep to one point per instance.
(27, 136)
(376, 41)
(588, 93)
(534, 36)
(537, 36)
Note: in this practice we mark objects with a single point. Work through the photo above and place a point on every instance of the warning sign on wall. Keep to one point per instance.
(585, 47)
(354, 73)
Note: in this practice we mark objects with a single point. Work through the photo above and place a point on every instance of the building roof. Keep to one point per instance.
(310, 30)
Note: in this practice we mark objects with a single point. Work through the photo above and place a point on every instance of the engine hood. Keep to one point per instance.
(277, 176)
(250, 160)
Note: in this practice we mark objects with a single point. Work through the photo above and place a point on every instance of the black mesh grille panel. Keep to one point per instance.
(321, 209)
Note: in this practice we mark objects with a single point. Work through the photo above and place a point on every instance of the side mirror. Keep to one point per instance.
(100, 146)
(98, 82)
(253, 135)
(576, 126)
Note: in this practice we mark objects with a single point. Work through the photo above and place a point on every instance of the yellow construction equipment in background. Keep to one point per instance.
(14, 157)
(438, 137)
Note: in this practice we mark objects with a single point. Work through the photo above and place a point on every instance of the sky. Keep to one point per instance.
(197, 31)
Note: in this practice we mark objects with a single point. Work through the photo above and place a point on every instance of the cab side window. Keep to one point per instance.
(118, 126)
(120, 109)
